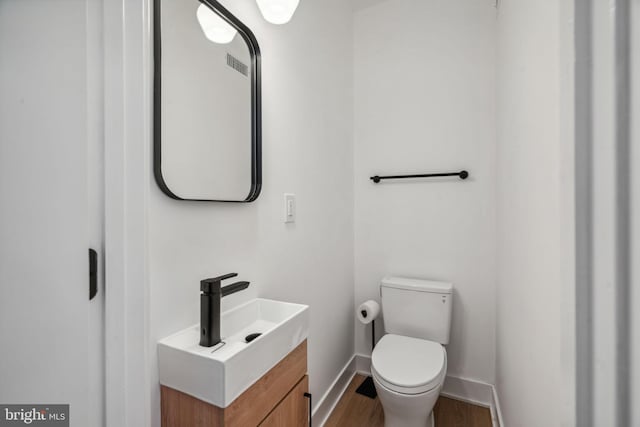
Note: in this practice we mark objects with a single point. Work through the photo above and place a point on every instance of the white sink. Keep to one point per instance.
(220, 374)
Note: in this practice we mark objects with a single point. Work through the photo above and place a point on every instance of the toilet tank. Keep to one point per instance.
(417, 308)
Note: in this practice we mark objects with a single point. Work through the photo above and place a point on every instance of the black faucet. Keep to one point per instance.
(212, 292)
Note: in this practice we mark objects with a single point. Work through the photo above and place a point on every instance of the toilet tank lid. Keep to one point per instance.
(420, 285)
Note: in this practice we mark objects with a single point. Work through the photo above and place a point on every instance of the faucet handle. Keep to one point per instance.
(210, 285)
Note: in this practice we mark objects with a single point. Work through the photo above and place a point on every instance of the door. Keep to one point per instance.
(45, 203)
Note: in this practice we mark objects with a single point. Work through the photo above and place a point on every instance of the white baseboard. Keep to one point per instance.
(496, 413)
(464, 389)
(363, 364)
(328, 402)
(471, 391)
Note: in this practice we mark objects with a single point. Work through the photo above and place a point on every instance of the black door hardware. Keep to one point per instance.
(93, 273)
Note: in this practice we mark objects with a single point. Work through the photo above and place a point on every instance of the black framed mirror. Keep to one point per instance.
(207, 103)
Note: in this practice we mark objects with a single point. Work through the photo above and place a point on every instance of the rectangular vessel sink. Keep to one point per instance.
(218, 375)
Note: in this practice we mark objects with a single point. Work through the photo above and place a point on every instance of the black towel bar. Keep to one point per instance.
(461, 174)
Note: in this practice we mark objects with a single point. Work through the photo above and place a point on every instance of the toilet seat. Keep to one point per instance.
(408, 365)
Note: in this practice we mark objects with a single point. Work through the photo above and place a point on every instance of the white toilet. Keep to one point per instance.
(409, 363)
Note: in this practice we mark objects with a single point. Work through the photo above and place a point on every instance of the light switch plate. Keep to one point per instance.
(289, 207)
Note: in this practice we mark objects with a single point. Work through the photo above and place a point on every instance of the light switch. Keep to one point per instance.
(289, 208)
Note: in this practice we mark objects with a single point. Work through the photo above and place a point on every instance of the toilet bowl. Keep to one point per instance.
(408, 374)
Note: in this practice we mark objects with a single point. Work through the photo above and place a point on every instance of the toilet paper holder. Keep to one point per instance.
(367, 387)
(367, 313)
(373, 329)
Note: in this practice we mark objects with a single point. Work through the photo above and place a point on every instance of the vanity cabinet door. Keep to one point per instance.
(293, 410)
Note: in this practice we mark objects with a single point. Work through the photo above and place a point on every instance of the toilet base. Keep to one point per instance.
(402, 410)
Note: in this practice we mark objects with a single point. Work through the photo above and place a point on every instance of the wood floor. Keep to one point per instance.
(355, 410)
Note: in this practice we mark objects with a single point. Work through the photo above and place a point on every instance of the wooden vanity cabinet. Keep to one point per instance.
(275, 400)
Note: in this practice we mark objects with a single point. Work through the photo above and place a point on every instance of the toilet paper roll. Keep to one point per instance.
(368, 311)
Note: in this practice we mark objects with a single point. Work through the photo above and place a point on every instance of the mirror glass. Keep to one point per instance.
(207, 103)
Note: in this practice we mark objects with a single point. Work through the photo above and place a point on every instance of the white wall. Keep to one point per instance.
(307, 150)
(424, 101)
(535, 194)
